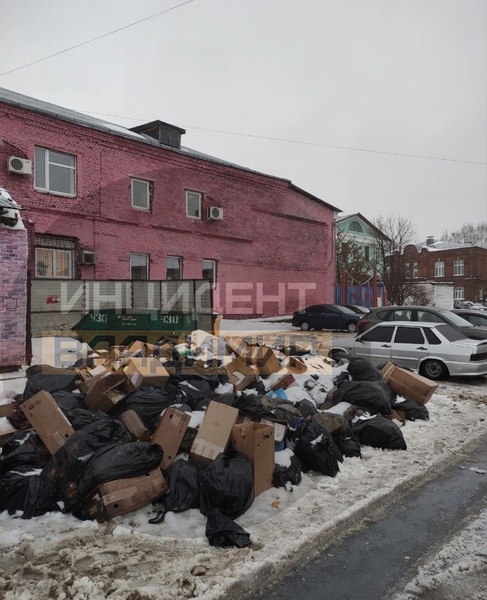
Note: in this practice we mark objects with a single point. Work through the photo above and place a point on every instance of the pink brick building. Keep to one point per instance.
(113, 203)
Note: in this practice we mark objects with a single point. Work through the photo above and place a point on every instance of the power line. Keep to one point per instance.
(318, 144)
(99, 37)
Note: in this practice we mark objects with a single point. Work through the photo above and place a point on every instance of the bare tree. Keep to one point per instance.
(349, 257)
(398, 233)
(468, 234)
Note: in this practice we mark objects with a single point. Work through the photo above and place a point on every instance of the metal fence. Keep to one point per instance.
(363, 295)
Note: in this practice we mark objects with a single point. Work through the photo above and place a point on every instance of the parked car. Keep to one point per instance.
(326, 316)
(475, 317)
(461, 304)
(476, 306)
(435, 350)
(424, 314)
(360, 310)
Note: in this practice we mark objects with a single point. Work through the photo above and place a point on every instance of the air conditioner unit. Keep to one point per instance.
(22, 166)
(87, 257)
(215, 213)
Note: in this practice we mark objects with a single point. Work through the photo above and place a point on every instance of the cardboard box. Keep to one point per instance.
(280, 427)
(147, 371)
(241, 375)
(134, 425)
(7, 409)
(169, 434)
(123, 496)
(408, 384)
(283, 382)
(48, 420)
(107, 391)
(213, 434)
(256, 441)
(6, 430)
(296, 365)
(262, 357)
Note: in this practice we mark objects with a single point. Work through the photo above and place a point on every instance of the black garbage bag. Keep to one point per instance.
(370, 395)
(23, 448)
(349, 446)
(148, 403)
(81, 417)
(413, 410)
(115, 461)
(227, 399)
(316, 449)
(50, 379)
(23, 490)
(194, 390)
(68, 400)
(362, 370)
(227, 484)
(71, 459)
(379, 432)
(222, 532)
(183, 490)
(291, 474)
(249, 404)
(306, 408)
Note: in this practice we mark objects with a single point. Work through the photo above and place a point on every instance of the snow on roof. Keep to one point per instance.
(440, 245)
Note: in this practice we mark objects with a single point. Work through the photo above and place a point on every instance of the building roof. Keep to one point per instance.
(362, 218)
(66, 114)
(435, 246)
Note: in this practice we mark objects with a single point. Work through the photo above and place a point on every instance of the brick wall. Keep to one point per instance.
(274, 239)
(13, 297)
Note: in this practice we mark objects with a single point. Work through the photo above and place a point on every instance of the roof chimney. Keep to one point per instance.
(430, 240)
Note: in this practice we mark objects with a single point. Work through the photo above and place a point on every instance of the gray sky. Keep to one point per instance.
(392, 77)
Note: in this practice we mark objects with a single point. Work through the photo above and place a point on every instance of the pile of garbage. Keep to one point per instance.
(196, 424)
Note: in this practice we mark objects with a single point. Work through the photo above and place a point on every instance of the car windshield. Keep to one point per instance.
(455, 319)
(345, 309)
(451, 334)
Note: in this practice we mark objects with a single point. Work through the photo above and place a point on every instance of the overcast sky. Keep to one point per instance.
(351, 85)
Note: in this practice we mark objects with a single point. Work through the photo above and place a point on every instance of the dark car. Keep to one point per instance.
(427, 314)
(326, 316)
(475, 317)
(360, 310)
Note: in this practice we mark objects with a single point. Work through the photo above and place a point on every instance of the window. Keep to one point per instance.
(439, 269)
(52, 263)
(379, 334)
(431, 336)
(401, 315)
(429, 317)
(139, 267)
(458, 267)
(409, 335)
(355, 226)
(174, 267)
(407, 270)
(55, 172)
(367, 253)
(193, 205)
(459, 293)
(140, 191)
(209, 270)
(415, 270)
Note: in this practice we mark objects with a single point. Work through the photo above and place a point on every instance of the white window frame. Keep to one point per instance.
(458, 293)
(193, 196)
(134, 182)
(213, 269)
(439, 268)
(180, 267)
(46, 171)
(54, 253)
(133, 266)
(415, 270)
(458, 267)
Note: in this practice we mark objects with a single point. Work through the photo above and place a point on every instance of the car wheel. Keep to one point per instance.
(434, 369)
(305, 326)
(352, 327)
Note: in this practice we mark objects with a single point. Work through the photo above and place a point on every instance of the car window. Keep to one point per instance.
(331, 310)
(384, 315)
(430, 317)
(455, 319)
(451, 334)
(346, 310)
(401, 315)
(317, 308)
(477, 320)
(409, 335)
(379, 334)
(431, 336)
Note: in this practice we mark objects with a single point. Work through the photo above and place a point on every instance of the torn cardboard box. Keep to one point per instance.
(107, 391)
(256, 441)
(408, 384)
(48, 420)
(241, 375)
(147, 371)
(169, 434)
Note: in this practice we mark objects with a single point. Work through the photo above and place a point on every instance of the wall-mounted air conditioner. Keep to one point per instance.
(215, 213)
(87, 257)
(22, 166)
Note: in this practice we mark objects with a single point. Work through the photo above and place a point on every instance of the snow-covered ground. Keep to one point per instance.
(57, 556)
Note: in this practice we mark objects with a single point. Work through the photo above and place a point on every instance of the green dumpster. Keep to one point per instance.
(104, 328)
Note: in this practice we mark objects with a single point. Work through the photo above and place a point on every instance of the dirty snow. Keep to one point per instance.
(57, 556)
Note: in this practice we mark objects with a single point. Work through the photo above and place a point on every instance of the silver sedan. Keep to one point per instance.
(435, 350)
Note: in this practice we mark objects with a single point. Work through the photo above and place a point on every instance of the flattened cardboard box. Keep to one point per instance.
(213, 434)
(108, 390)
(147, 371)
(256, 441)
(408, 384)
(123, 496)
(48, 420)
(169, 434)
